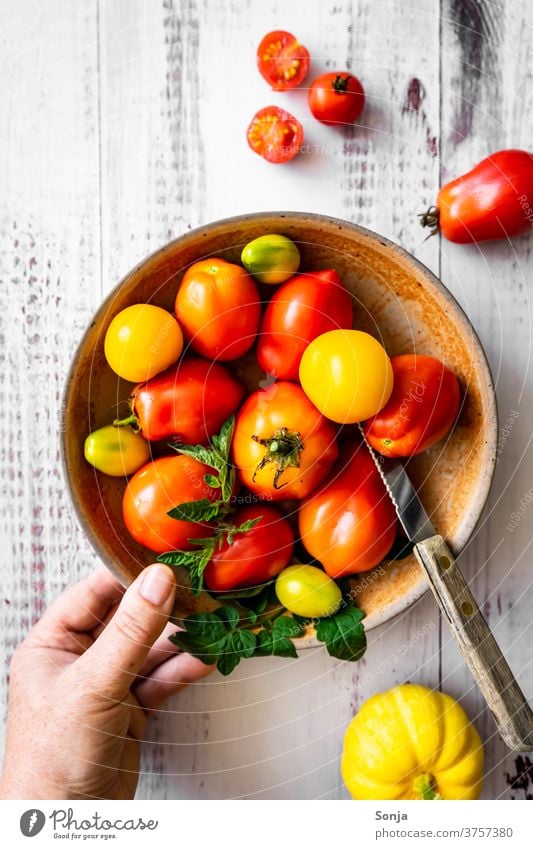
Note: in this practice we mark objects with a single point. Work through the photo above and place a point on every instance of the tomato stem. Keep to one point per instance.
(283, 449)
(430, 218)
(340, 83)
(425, 787)
(130, 420)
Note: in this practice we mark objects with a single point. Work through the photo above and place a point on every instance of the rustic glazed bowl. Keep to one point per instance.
(395, 298)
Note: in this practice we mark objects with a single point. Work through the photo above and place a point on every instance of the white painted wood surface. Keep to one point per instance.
(121, 125)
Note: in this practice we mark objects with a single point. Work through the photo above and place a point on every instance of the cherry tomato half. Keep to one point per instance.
(282, 60)
(157, 488)
(275, 135)
(254, 556)
(336, 98)
(218, 308)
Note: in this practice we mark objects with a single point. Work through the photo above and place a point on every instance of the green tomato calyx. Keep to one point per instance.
(340, 83)
(425, 787)
(283, 449)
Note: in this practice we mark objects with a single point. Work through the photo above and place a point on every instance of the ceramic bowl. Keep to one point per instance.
(396, 298)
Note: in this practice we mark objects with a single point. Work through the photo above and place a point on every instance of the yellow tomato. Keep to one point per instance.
(141, 341)
(412, 743)
(116, 451)
(347, 375)
(308, 591)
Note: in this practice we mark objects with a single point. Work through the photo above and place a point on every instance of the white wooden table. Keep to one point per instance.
(122, 125)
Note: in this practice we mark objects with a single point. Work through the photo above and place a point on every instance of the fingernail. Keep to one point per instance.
(156, 585)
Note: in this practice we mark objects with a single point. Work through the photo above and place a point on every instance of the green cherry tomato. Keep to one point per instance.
(308, 591)
(271, 259)
(116, 451)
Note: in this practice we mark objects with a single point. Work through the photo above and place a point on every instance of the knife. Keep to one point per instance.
(477, 644)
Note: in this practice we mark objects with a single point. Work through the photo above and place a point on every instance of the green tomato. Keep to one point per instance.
(308, 591)
(271, 259)
(116, 451)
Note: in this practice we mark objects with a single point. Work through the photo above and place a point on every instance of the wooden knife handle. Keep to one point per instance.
(491, 671)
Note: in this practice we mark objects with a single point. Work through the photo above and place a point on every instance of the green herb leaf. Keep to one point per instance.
(211, 480)
(268, 645)
(216, 638)
(285, 626)
(229, 616)
(343, 634)
(202, 510)
(231, 530)
(198, 452)
(194, 561)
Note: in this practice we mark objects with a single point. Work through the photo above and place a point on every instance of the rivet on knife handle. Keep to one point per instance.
(491, 671)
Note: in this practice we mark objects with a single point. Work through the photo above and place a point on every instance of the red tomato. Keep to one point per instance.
(275, 135)
(282, 61)
(336, 98)
(492, 201)
(282, 446)
(422, 408)
(218, 308)
(300, 310)
(157, 488)
(349, 524)
(189, 402)
(255, 556)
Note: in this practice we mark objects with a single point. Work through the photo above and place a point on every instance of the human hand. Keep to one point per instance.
(83, 683)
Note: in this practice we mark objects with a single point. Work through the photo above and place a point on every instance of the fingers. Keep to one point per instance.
(169, 678)
(80, 608)
(115, 658)
(161, 651)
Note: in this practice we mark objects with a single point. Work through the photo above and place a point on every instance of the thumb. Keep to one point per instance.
(115, 658)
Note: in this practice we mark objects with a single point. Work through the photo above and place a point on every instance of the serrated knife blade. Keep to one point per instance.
(476, 641)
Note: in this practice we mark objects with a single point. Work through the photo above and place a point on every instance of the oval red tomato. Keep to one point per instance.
(189, 402)
(349, 524)
(218, 308)
(254, 557)
(157, 488)
(282, 61)
(421, 410)
(275, 134)
(300, 310)
(492, 201)
(336, 98)
(282, 446)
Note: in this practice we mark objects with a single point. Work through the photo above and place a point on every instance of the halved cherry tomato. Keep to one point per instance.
(157, 488)
(300, 310)
(282, 446)
(255, 556)
(422, 408)
(336, 98)
(492, 201)
(275, 135)
(218, 307)
(189, 402)
(349, 524)
(282, 60)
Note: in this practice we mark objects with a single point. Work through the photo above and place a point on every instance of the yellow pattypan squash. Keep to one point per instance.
(412, 743)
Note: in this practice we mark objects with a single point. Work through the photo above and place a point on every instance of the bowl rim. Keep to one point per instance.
(478, 352)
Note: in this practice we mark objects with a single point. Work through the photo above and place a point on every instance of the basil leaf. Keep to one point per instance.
(202, 510)
(238, 645)
(343, 634)
(213, 481)
(205, 625)
(199, 452)
(268, 646)
(285, 626)
(228, 616)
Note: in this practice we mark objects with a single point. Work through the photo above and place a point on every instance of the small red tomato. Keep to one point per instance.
(304, 307)
(282, 61)
(422, 408)
(275, 135)
(157, 488)
(492, 201)
(336, 98)
(189, 402)
(254, 556)
(218, 308)
(349, 524)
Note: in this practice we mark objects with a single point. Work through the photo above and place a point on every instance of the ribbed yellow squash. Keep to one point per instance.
(412, 743)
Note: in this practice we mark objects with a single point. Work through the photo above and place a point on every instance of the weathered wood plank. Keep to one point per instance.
(487, 105)
(49, 268)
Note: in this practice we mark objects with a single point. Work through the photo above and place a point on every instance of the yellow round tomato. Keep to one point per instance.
(347, 375)
(141, 341)
(308, 591)
(116, 451)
